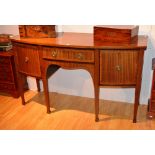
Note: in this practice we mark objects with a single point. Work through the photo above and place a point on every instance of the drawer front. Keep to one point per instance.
(118, 67)
(28, 59)
(6, 73)
(73, 55)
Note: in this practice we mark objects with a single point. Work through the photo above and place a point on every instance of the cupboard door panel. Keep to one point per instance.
(118, 67)
(28, 59)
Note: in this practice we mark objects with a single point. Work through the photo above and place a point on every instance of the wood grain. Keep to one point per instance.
(28, 59)
(34, 31)
(118, 67)
(69, 113)
(8, 76)
(115, 33)
(69, 55)
(140, 62)
(82, 40)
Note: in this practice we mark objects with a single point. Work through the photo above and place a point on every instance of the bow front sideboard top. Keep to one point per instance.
(109, 64)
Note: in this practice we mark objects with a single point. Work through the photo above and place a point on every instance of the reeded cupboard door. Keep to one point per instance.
(118, 67)
(28, 59)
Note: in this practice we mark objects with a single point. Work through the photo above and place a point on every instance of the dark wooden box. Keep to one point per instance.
(115, 33)
(37, 31)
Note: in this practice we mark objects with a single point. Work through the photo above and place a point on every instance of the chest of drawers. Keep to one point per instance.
(8, 76)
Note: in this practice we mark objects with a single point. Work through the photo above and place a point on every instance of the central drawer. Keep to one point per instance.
(68, 54)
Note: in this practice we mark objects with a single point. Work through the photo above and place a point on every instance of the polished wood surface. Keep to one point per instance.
(69, 113)
(69, 55)
(140, 62)
(82, 40)
(108, 65)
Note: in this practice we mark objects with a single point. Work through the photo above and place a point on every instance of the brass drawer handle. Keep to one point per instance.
(54, 53)
(79, 56)
(118, 68)
(26, 59)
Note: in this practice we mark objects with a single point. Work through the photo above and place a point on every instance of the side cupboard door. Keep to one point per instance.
(118, 67)
(28, 59)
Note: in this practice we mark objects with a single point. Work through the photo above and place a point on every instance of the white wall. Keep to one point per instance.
(10, 29)
(79, 82)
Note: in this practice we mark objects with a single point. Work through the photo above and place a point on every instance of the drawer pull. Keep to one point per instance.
(79, 56)
(26, 59)
(54, 53)
(118, 68)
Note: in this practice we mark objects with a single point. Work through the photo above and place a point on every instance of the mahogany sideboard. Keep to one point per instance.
(109, 64)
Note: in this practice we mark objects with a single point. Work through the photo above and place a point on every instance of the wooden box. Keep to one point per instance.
(8, 76)
(37, 31)
(116, 33)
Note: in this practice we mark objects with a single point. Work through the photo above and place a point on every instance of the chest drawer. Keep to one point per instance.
(4, 61)
(118, 67)
(7, 87)
(6, 73)
(28, 59)
(65, 54)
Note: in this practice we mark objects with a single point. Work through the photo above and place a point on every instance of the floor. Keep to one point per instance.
(69, 112)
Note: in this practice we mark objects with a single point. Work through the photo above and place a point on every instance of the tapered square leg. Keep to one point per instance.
(46, 92)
